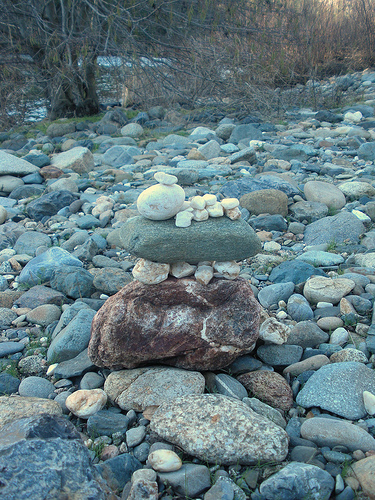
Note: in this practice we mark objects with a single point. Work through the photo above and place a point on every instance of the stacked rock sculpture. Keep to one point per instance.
(180, 310)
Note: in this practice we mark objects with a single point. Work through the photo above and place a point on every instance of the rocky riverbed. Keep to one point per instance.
(270, 395)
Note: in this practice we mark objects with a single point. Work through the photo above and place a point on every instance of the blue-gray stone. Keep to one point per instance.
(338, 388)
(117, 156)
(35, 178)
(229, 386)
(217, 239)
(3, 284)
(8, 348)
(41, 268)
(118, 471)
(8, 384)
(237, 188)
(73, 281)
(366, 151)
(272, 294)
(28, 242)
(106, 423)
(221, 490)
(73, 339)
(74, 367)
(40, 454)
(299, 308)
(88, 221)
(269, 223)
(246, 131)
(300, 152)
(336, 229)
(295, 271)
(247, 154)
(329, 349)
(189, 481)
(297, 481)
(91, 380)
(49, 204)
(38, 159)
(244, 364)
(6, 317)
(346, 494)
(280, 355)
(36, 387)
(26, 191)
(141, 451)
(320, 258)
(307, 334)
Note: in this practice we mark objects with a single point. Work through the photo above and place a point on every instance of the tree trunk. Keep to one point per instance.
(72, 91)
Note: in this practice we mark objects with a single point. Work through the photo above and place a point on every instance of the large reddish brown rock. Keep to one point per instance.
(177, 322)
(269, 387)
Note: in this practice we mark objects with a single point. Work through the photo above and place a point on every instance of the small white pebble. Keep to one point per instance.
(215, 210)
(198, 202)
(200, 215)
(183, 219)
(166, 179)
(229, 203)
(210, 199)
(51, 369)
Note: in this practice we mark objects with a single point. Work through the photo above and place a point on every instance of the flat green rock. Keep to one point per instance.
(219, 239)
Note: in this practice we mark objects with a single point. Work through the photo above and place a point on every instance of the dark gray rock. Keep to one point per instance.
(73, 281)
(88, 222)
(72, 339)
(247, 131)
(269, 223)
(38, 159)
(294, 270)
(74, 367)
(8, 348)
(189, 481)
(216, 239)
(307, 334)
(118, 471)
(297, 481)
(272, 294)
(6, 317)
(44, 457)
(39, 295)
(26, 191)
(237, 188)
(106, 423)
(299, 308)
(367, 151)
(247, 154)
(49, 204)
(29, 241)
(8, 384)
(41, 268)
(336, 229)
(244, 364)
(229, 386)
(280, 355)
(338, 388)
(37, 387)
(117, 156)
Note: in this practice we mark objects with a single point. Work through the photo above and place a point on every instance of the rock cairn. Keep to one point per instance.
(200, 322)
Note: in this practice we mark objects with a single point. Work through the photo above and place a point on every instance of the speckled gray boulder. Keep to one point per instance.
(136, 389)
(210, 422)
(336, 229)
(338, 388)
(36, 387)
(298, 481)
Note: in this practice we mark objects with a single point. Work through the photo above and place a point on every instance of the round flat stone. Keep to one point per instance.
(215, 239)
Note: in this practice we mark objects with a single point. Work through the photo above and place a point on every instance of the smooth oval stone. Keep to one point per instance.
(165, 460)
(84, 403)
(217, 239)
(161, 202)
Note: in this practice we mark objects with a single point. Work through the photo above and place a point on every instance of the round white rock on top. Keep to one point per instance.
(161, 202)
